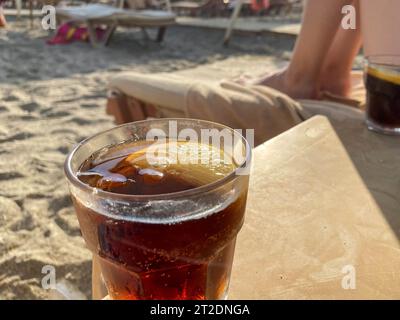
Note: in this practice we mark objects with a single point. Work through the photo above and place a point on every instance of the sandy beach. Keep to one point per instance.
(52, 97)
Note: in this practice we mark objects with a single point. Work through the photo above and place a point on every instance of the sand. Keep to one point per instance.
(52, 97)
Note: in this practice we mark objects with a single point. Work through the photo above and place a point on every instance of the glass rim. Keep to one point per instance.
(72, 177)
(383, 60)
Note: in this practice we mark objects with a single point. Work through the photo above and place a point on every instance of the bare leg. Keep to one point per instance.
(3, 22)
(320, 25)
(336, 72)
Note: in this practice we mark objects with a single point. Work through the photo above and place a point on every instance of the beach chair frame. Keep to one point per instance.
(126, 108)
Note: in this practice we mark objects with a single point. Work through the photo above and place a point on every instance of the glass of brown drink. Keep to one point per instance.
(161, 220)
(382, 79)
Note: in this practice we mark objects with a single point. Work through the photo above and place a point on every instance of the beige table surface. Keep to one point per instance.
(324, 199)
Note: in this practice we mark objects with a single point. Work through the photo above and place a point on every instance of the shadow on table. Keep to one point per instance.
(376, 157)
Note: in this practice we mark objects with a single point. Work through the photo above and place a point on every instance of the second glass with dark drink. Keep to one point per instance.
(382, 80)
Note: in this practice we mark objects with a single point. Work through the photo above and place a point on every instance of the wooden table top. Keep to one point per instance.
(323, 216)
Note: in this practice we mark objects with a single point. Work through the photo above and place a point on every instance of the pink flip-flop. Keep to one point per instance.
(68, 33)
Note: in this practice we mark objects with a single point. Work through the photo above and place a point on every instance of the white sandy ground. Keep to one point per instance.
(52, 97)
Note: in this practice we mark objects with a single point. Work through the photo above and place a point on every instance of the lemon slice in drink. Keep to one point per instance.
(196, 163)
(385, 74)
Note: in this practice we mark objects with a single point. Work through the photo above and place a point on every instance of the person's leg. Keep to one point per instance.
(336, 71)
(321, 21)
(380, 23)
(3, 22)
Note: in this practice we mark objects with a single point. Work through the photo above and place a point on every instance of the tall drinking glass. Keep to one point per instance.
(162, 230)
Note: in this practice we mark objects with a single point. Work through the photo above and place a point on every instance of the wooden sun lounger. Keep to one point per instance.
(95, 14)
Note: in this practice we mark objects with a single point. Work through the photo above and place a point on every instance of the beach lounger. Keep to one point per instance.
(99, 14)
(136, 96)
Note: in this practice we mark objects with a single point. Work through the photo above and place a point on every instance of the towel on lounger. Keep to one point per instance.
(267, 111)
